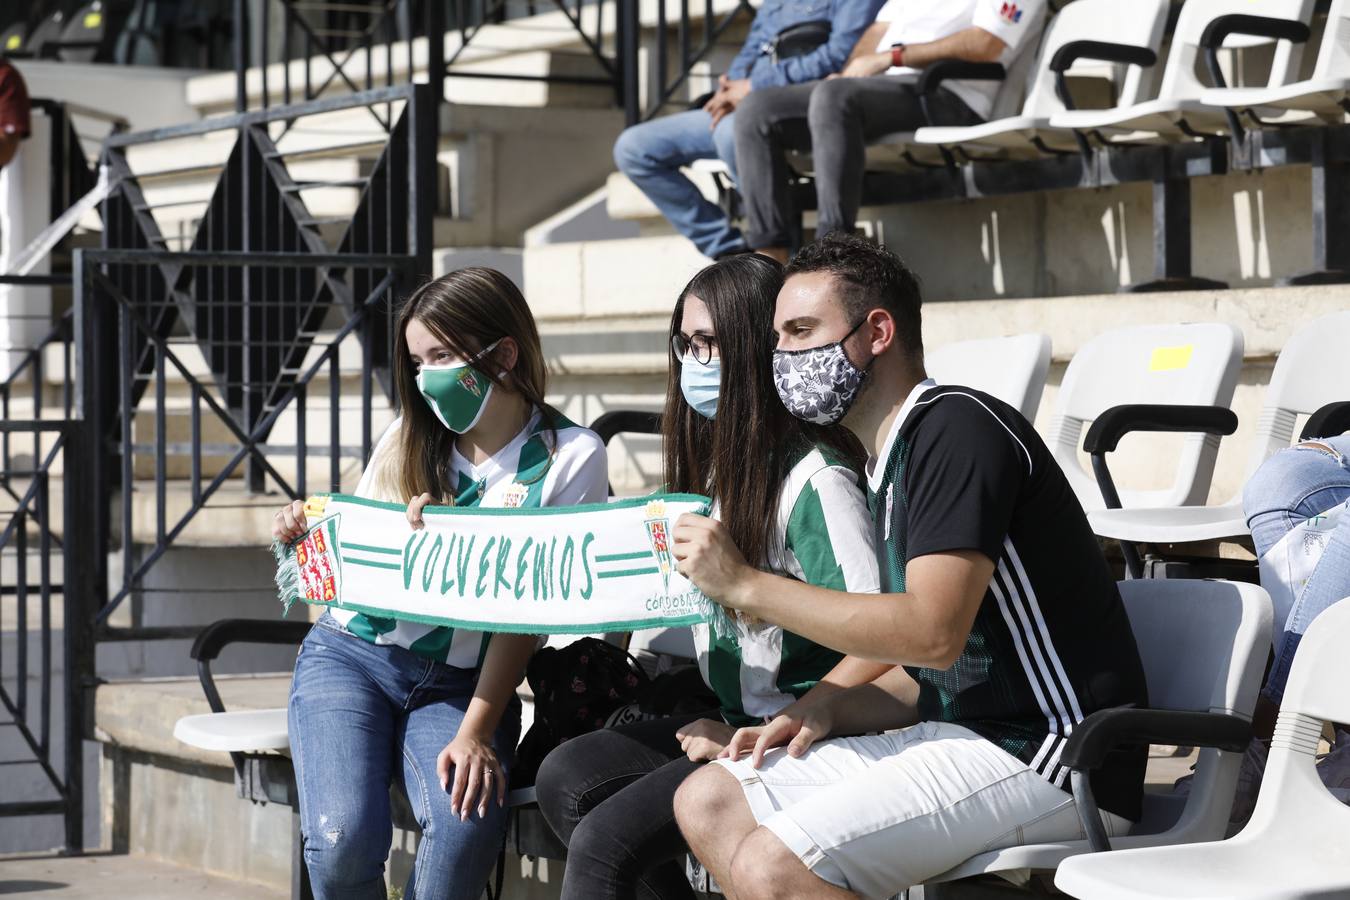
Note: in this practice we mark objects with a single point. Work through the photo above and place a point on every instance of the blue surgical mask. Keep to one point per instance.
(701, 384)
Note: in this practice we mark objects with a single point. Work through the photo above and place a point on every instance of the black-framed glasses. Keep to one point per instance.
(699, 346)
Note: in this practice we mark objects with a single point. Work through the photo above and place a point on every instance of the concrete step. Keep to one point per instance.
(98, 875)
(596, 279)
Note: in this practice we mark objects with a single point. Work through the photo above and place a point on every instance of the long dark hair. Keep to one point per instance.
(469, 309)
(743, 455)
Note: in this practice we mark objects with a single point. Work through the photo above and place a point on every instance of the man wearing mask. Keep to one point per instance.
(875, 94)
(997, 611)
(652, 153)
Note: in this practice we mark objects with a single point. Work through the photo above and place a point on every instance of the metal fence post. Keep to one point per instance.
(627, 14)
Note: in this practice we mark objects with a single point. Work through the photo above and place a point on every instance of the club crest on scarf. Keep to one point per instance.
(658, 534)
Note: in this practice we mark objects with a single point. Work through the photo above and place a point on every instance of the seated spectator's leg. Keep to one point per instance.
(651, 154)
(342, 737)
(608, 796)
(714, 818)
(1292, 486)
(724, 139)
(455, 857)
(845, 114)
(875, 815)
(769, 123)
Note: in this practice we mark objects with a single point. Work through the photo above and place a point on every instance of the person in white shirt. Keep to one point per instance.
(875, 94)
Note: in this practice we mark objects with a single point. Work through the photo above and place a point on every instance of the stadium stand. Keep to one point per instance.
(1310, 377)
(1175, 365)
(1128, 34)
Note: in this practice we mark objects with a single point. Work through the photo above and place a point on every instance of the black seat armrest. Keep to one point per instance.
(621, 421)
(1104, 51)
(218, 635)
(1329, 421)
(1114, 423)
(1108, 729)
(1095, 737)
(1221, 28)
(949, 69)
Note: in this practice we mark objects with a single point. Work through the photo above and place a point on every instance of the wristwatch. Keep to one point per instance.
(897, 55)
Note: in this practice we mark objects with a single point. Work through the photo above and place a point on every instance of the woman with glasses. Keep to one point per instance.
(789, 493)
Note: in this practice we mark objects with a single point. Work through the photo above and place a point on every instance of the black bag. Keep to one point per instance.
(576, 689)
(800, 39)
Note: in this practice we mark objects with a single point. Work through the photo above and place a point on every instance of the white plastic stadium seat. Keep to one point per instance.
(1010, 368)
(1313, 370)
(247, 731)
(1137, 24)
(262, 731)
(1203, 645)
(1179, 110)
(1294, 845)
(1325, 95)
(1193, 364)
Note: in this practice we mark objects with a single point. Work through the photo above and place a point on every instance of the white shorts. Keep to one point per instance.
(880, 813)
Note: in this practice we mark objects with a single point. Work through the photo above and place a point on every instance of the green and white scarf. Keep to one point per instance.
(547, 570)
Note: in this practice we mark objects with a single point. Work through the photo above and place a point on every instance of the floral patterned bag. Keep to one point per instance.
(576, 688)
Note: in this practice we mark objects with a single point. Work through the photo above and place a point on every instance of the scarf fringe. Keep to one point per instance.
(287, 577)
(722, 624)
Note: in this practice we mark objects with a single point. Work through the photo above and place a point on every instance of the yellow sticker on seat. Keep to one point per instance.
(93, 19)
(14, 42)
(1166, 359)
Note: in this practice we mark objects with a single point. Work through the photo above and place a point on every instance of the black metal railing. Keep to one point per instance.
(212, 445)
(45, 660)
(45, 589)
(268, 294)
(335, 47)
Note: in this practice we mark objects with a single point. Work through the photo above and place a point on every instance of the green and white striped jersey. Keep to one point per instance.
(522, 474)
(824, 538)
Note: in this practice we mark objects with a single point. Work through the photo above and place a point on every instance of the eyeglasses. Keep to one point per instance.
(700, 346)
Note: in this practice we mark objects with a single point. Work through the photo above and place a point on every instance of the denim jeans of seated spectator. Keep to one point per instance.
(651, 155)
(1292, 486)
(363, 716)
(833, 120)
(609, 796)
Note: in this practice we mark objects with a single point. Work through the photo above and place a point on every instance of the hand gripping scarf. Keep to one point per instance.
(550, 570)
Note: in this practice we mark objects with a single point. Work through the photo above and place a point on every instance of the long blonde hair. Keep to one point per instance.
(469, 309)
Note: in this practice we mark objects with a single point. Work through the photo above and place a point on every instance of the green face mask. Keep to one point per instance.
(456, 393)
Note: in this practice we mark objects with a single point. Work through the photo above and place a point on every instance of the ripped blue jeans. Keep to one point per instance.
(1292, 486)
(362, 716)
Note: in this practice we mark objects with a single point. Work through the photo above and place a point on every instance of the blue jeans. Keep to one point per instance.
(1292, 486)
(651, 154)
(362, 715)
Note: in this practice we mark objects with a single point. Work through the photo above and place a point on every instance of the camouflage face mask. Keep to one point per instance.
(818, 384)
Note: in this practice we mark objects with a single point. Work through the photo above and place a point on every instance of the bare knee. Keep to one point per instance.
(701, 800)
(760, 865)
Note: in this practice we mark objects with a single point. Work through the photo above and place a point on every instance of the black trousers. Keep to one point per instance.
(609, 796)
(833, 120)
